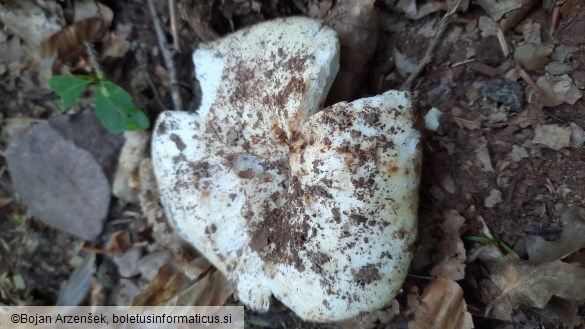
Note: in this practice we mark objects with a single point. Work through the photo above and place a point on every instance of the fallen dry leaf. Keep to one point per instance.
(577, 135)
(442, 307)
(483, 155)
(532, 56)
(523, 283)
(168, 283)
(451, 248)
(115, 46)
(542, 251)
(518, 153)
(553, 136)
(211, 290)
(467, 124)
(565, 89)
(557, 90)
(487, 26)
(498, 8)
(85, 9)
(570, 311)
(69, 43)
(404, 65)
(4, 202)
(493, 198)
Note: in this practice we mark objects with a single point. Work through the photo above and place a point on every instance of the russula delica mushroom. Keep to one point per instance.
(316, 208)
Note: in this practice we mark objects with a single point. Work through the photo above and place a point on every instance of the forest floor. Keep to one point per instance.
(500, 220)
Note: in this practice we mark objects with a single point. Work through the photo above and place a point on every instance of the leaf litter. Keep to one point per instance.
(571, 239)
(467, 148)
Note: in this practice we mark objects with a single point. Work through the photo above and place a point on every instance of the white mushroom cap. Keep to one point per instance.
(318, 210)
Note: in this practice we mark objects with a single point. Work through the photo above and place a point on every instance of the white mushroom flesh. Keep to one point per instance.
(317, 209)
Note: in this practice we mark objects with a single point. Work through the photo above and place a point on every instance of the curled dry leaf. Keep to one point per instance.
(523, 283)
(542, 251)
(467, 124)
(69, 43)
(451, 248)
(442, 307)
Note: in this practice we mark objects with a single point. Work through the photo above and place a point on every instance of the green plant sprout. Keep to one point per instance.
(113, 105)
(483, 239)
(17, 218)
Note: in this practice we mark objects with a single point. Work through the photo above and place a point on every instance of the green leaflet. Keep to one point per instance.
(114, 108)
(69, 88)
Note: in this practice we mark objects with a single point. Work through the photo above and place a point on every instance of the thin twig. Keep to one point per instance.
(173, 16)
(407, 85)
(175, 95)
(502, 41)
(522, 73)
(154, 90)
(428, 57)
(555, 19)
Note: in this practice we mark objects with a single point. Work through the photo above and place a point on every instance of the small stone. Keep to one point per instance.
(518, 153)
(128, 262)
(553, 136)
(493, 199)
(506, 92)
(149, 265)
(432, 119)
(577, 135)
(558, 68)
(62, 184)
